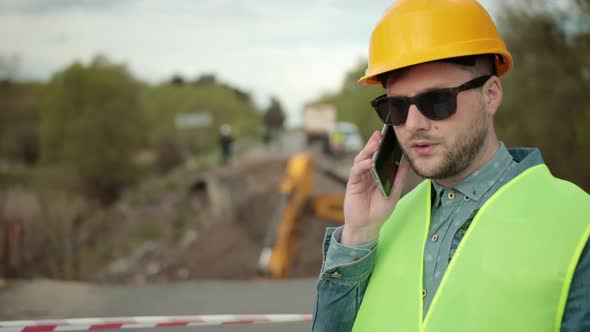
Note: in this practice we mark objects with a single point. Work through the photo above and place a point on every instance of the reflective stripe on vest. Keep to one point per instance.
(511, 271)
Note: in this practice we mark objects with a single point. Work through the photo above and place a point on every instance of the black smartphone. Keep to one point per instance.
(386, 160)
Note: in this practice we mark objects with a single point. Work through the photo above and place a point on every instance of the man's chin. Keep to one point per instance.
(423, 163)
(425, 168)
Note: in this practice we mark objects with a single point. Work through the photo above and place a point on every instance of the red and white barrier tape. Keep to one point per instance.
(114, 323)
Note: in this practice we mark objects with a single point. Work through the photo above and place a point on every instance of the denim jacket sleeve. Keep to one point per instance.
(342, 283)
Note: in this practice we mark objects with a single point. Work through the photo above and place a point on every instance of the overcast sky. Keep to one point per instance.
(294, 49)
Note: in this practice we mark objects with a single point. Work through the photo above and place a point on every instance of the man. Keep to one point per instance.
(490, 241)
(225, 142)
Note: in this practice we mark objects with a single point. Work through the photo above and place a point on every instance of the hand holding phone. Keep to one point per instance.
(365, 207)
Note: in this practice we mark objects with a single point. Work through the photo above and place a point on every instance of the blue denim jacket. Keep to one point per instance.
(346, 271)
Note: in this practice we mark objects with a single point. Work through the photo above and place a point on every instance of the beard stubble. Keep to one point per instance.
(461, 154)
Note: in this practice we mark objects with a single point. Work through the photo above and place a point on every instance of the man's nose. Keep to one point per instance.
(416, 121)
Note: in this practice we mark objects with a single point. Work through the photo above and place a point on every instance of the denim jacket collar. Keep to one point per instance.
(479, 182)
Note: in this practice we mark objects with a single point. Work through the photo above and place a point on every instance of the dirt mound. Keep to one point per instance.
(193, 223)
(233, 206)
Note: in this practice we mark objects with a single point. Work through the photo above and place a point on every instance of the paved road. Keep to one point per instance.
(51, 299)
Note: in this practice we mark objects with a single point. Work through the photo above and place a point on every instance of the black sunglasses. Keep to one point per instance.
(437, 104)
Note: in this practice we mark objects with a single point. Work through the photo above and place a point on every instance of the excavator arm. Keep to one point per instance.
(283, 235)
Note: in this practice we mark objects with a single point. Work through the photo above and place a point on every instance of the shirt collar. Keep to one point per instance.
(479, 182)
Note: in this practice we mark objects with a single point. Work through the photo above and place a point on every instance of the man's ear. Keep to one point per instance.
(492, 95)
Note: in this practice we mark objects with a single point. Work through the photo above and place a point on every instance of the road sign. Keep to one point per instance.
(193, 120)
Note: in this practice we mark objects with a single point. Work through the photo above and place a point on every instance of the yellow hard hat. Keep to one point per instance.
(418, 31)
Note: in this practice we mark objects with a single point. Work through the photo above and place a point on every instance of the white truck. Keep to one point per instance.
(318, 120)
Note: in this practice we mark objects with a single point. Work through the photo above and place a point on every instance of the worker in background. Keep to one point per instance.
(225, 143)
(266, 137)
(490, 240)
(336, 142)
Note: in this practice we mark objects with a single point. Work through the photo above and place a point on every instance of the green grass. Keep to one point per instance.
(186, 216)
(147, 230)
(10, 178)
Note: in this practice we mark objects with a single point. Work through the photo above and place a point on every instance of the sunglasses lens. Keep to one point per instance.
(392, 111)
(398, 111)
(382, 110)
(438, 105)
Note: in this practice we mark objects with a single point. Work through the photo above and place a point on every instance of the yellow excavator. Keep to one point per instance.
(295, 191)
(282, 238)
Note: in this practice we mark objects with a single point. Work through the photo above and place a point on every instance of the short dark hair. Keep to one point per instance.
(468, 61)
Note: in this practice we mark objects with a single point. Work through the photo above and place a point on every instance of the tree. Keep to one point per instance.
(19, 121)
(546, 103)
(584, 5)
(90, 122)
(206, 79)
(274, 117)
(223, 103)
(177, 79)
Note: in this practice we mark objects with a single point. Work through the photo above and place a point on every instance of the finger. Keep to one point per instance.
(400, 180)
(369, 149)
(358, 171)
(361, 167)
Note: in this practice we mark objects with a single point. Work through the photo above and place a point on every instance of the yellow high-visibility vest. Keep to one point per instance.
(511, 271)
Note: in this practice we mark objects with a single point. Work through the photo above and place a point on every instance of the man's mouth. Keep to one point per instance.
(423, 148)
